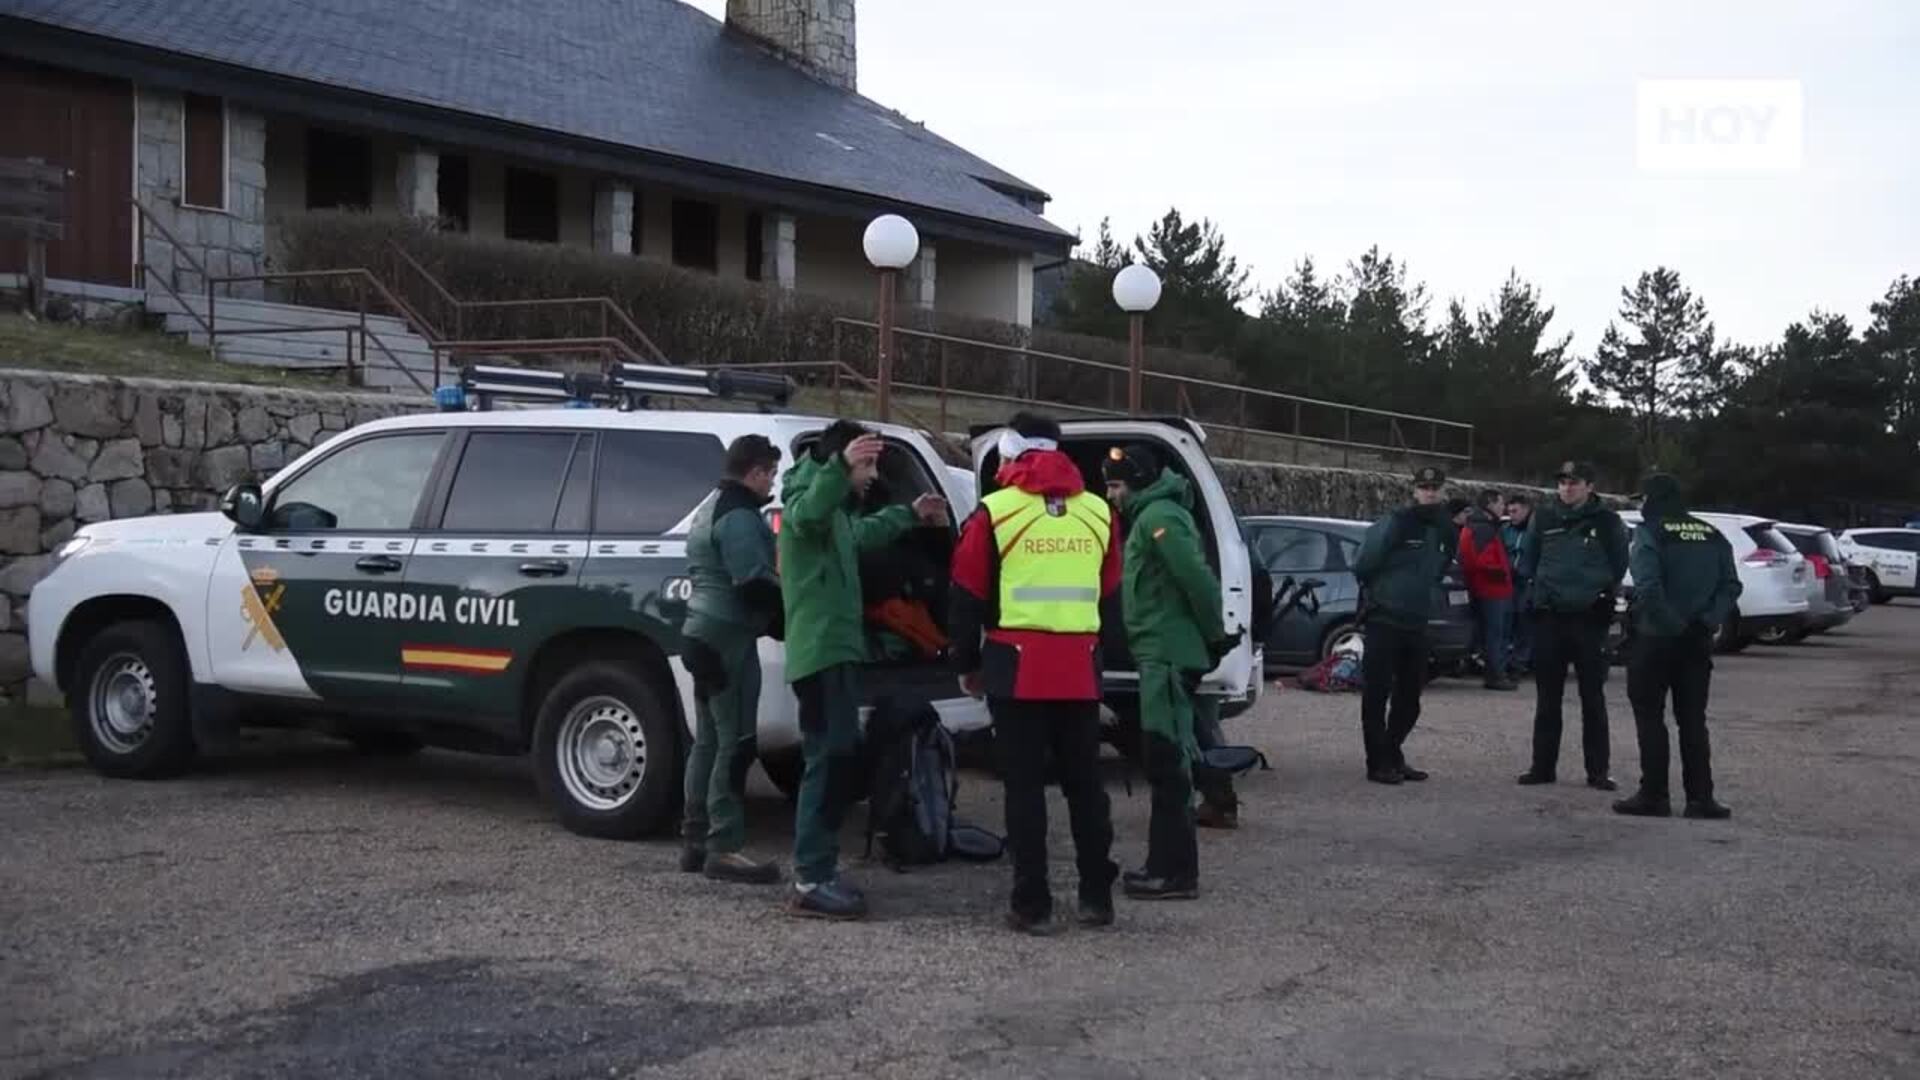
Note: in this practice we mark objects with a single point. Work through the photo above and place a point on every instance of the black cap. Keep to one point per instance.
(1135, 466)
(1579, 470)
(1427, 475)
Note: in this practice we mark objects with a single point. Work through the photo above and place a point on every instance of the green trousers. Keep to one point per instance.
(723, 751)
(1168, 754)
(829, 743)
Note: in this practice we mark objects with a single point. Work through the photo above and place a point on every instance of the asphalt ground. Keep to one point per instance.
(292, 910)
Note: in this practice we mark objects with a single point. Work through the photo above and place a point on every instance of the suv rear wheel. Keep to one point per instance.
(1875, 591)
(605, 752)
(129, 702)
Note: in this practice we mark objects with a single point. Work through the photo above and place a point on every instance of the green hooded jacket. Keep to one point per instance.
(1683, 573)
(820, 544)
(731, 560)
(1402, 559)
(1170, 595)
(1577, 553)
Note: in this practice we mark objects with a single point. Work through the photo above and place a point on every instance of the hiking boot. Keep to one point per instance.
(1096, 916)
(828, 900)
(1134, 877)
(1602, 783)
(1411, 774)
(1534, 776)
(1501, 683)
(1034, 925)
(1644, 803)
(1385, 774)
(1157, 888)
(1707, 810)
(737, 868)
(693, 859)
(1212, 816)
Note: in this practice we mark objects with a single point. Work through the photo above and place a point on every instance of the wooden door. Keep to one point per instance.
(85, 123)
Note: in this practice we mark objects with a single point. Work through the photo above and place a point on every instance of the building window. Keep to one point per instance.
(756, 244)
(203, 152)
(638, 226)
(696, 235)
(533, 206)
(455, 192)
(339, 171)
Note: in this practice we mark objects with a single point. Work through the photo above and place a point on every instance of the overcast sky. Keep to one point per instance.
(1465, 138)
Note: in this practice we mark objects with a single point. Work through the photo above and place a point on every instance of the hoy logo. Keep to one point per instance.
(1720, 125)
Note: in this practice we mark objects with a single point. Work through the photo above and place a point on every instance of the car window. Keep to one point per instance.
(650, 480)
(372, 483)
(576, 498)
(509, 481)
(1349, 552)
(1890, 541)
(1293, 551)
(1768, 538)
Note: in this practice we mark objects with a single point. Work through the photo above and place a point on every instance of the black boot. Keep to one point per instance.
(1033, 925)
(693, 858)
(831, 900)
(740, 870)
(1535, 776)
(1602, 783)
(1410, 774)
(1707, 809)
(1385, 774)
(1162, 889)
(1644, 803)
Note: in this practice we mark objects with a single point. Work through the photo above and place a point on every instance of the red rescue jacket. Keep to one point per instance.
(1026, 665)
(1483, 559)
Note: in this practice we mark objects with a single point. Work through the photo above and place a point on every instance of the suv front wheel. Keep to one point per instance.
(129, 703)
(605, 753)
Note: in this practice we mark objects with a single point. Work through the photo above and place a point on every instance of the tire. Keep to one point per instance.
(376, 743)
(1877, 593)
(785, 770)
(1335, 636)
(606, 752)
(129, 703)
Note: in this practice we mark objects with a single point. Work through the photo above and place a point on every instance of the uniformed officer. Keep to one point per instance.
(1577, 556)
(1401, 562)
(736, 599)
(1032, 565)
(821, 536)
(1175, 629)
(1684, 585)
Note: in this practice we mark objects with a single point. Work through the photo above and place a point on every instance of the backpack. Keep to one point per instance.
(914, 784)
(1337, 673)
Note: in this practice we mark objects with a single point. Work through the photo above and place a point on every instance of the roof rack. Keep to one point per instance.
(621, 386)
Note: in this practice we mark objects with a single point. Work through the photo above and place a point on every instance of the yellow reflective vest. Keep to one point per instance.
(1051, 550)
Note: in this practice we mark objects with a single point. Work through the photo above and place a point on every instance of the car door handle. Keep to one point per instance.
(378, 564)
(544, 567)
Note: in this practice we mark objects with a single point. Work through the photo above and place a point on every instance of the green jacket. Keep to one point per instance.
(820, 545)
(1402, 559)
(731, 561)
(1683, 576)
(1170, 595)
(1576, 554)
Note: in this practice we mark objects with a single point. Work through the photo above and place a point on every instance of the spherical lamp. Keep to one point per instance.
(891, 242)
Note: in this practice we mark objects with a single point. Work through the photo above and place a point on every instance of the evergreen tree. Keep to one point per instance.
(1665, 363)
(1893, 344)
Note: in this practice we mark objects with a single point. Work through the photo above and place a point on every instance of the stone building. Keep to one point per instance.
(642, 127)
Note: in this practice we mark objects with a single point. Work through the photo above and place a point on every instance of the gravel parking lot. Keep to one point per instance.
(292, 910)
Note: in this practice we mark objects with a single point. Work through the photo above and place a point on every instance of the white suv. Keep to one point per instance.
(1890, 556)
(502, 581)
(1773, 581)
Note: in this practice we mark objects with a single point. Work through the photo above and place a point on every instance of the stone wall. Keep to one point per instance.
(229, 241)
(816, 35)
(80, 449)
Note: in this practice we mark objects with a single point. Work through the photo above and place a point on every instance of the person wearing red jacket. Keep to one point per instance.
(1033, 563)
(1489, 574)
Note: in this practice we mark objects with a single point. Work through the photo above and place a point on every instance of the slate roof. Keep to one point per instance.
(657, 76)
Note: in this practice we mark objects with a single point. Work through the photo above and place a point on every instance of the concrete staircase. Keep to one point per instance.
(310, 349)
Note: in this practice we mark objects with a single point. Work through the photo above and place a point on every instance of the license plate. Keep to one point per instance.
(1457, 597)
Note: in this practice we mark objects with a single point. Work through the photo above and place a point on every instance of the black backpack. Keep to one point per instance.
(914, 784)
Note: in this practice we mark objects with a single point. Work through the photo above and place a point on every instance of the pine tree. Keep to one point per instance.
(1665, 363)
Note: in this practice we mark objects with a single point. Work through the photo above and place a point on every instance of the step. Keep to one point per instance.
(270, 312)
(187, 326)
(321, 345)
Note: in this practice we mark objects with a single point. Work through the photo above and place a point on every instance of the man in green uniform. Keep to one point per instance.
(1175, 630)
(1684, 585)
(1401, 562)
(820, 543)
(1576, 559)
(736, 599)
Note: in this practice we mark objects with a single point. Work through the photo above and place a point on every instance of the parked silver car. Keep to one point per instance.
(1829, 594)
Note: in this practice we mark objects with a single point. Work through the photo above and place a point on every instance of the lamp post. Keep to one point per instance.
(1136, 289)
(891, 242)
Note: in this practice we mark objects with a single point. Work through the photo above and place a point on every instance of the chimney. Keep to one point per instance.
(815, 35)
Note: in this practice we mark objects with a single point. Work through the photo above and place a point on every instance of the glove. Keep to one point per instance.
(1218, 649)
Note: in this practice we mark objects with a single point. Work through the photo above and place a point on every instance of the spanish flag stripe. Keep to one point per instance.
(454, 658)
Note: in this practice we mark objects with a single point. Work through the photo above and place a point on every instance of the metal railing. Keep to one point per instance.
(1259, 423)
(363, 282)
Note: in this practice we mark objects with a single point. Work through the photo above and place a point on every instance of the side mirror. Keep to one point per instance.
(244, 506)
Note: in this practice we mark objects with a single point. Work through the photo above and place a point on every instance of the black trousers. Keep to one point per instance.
(1033, 736)
(1393, 669)
(1682, 666)
(1579, 639)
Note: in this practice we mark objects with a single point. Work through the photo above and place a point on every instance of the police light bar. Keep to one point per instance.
(625, 386)
(700, 382)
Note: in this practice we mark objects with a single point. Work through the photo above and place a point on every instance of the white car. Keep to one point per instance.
(507, 581)
(1773, 578)
(1891, 557)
